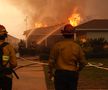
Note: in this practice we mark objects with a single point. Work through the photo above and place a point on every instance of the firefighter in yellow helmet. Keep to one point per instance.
(66, 60)
(7, 61)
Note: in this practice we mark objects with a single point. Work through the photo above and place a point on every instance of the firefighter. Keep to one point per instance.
(66, 60)
(7, 61)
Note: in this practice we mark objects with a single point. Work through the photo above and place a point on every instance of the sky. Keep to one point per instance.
(97, 8)
(13, 13)
(12, 19)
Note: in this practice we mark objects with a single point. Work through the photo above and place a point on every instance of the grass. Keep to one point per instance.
(94, 73)
(90, 78)
(94, 78)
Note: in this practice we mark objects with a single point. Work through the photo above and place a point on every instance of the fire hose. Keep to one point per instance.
(96, 66)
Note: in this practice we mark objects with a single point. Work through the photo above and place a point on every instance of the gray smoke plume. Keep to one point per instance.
(49, 12)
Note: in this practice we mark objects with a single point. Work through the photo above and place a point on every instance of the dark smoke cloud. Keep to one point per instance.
(49, 12)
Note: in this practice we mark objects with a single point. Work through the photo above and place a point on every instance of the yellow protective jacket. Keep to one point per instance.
(67, 55)
(9, 56)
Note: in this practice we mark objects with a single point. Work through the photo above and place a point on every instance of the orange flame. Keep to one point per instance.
(38, 25)
(74, 19)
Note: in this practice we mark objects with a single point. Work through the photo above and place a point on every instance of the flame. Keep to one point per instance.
(38, 25)
(75, 19)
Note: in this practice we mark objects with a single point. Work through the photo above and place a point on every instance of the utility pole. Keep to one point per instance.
(75, 36)
(46, 42)
(26, 27)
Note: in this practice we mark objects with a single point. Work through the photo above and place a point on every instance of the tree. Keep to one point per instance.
(21, 47)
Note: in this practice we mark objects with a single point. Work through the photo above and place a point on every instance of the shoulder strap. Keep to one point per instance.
(4, 44)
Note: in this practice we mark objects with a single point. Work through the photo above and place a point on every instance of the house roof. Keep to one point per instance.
(42, 33)
(96, 24)
(10, 36)
(26, 32)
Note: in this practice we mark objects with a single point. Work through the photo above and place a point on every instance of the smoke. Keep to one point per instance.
(48, 12)
(96, 9)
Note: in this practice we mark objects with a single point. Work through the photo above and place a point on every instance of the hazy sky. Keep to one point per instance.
(12, 19)
(97, 8)
(14, 12)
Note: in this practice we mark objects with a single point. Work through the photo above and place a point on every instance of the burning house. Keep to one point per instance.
(47, 36)
(52, 12)
(46, 17)
(41, 35)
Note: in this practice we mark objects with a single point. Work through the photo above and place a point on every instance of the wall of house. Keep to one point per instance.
(53, 39)
(97, 35)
